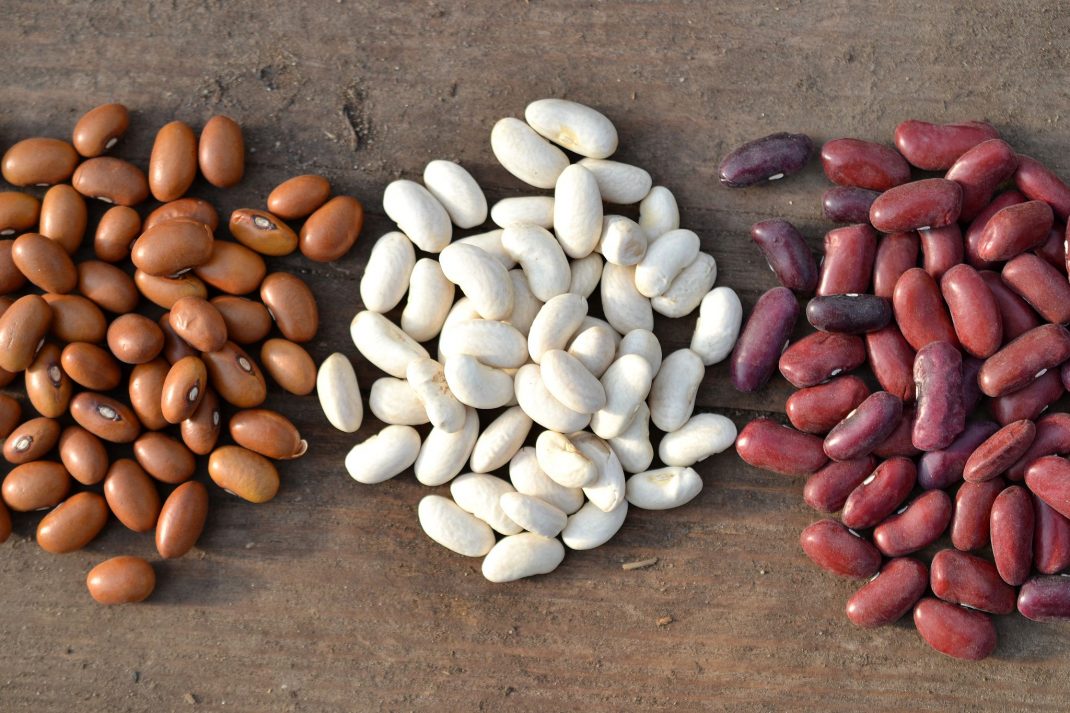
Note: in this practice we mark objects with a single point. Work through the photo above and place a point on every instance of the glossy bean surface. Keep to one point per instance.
(764, 443)
(863, 164)
(864, 428)
(999, 451)
(766, 159)
(757, 351)
(938, 380)
(1038, 182)
(844, 204)
(966, 579)
(928, 203)
(1045, 599)
(916, 526)
(827, 489)
(1024, 359)
(1011, 530)
(980, 171)
(955, 631)
(942, 468)
(820, 356)
(1045, 289)
(836, 549)
(1051, 538)
(848, 263)
(887, 597)
(974, 312)
(920, 310)
(936, 147)
(817, 409)
(971, 520)
(786, 252)
(891, 358)
(880, 494)
(849, 314)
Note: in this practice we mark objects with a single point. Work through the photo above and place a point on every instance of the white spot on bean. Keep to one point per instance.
(215, 418)
(776, 176)
(104, 199)
(854, 533)
(1040, 373)
(262, 223)
(23, 444)
(870, 479)
(111, 142)
(108, 412)
(902, 510)
(836, 372)
(925, 227)
(55, 375)
(7, 231)
(245, 365)
(193, 394)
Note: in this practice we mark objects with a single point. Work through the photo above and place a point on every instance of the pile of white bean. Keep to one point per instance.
(520, 338)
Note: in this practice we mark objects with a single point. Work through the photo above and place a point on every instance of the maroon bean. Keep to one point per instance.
(766, 159)
(971, 521)
(1045, 599)
(936, 147)
(1029, 401)
(999, 451)
(1051, 538)
(900, 442)
(1049, 479)
(1015, 313)
(787, 254)
(920, 310)
(938, 381)
(844, 204)
(977, 226)
(879, 494)
(864, 428)
(863, 164)
(928, 203)
(888, 596)
(758, 348)
(942, 468)
(1014, 230)
(896, 253)
(942, 249)
(974, 312)
(817, 409)
(848, 263)
(971, 392)
(1026, 358)
(1052, 438)
(835, 549)
(1011, 529)
(820, 356)
(849, 314)
(917, 525)
(960, 578)
(892, 360)
(1041, 285)
(980, 171)
(764, 443)
(1040, 183)
(827, 489)
(1053, 248)
(955, 631)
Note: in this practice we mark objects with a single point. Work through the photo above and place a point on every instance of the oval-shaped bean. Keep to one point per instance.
(936, 147)
(108, 286)
(134, 339)
(100, 128)
(942, 249)
(928, 203)
(1011, 525)
(817, 409)
(976, 227)
(892, 360)
(105, 417)
(235, 376)
(47, 384)
(828, 489)
(920, 310)
(198, 323)
(292, 305)
(63, 217)
(1038, 182)
(787, 253)
(1041, 285)
(889, 595)
(195, 209)
(938, 382)
(241, 472)
(201, 430)
(919, 524)
(880, 494)
(1052, 438)
(863, 164)
(1015, 229)
(11, 278)
(262, 232)
(970, 522)
(980, 171)
(965, 579)
(233, 268)
(246, 321)
(942, 468)
(268, 433)
(173, 247)
(1024, 359)
(974, 311)
(182, 520)
(166, 291)
(83, 455)
(35, 486)
(38, 162)
(111, 180)
(23, 327)
(31, 440)
(848, 263)
(758, 348)
(820, 356)
(183, 389)
(132, 495)
(164, 458)
(1045, 599)
(332, 229)
(955, 631)
(73, 523)
(18, 212)
(121, 580)
(764, 443)
(896, 253)
(298, 197)
(221, 152)
(769, 158)
(845, 204)
(849, 314)
(864, 428)
(44, 262)
(1001, 450)
(289, 365)
(76, 319)
(173, 162)
(1049, 479)
(835, 549)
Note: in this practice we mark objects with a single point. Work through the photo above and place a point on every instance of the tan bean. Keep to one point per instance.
(262, 232)
(182, 520)
(105, 417)
(235, 376)
(22, 330)
(91, 366)
(183, 389)
(117, 230)
(10, 414)
(331, 231)
(233, 268)
(121, 580)
(221, 152)
(146, 393)
(173, 161)
(132, 495)
(289, 365)
(11, 278)
(47, 385)
(64, 216)
(18, 212)
(31, 440)
(73, 523)
(268, 433)
(241, 472)
(76, 319)
(44, 263)
(36, 486)
(172, 248)
(111, 180)
(165, 291)
(83, 455)
(135, 339)
(299, 196)
(100, 128)
(292, 305)
(174, 347)
(39, 162)
(247, 321)
(195, 209)
(108, 286)
(200, 432)
(164, 458)
(197, 322)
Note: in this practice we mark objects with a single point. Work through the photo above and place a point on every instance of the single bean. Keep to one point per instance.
(201, 430)
(173, 161)
(892, 360)
(835, 549)
(920, 310)
(166, 291)
(977, 226)
(965, 579)
(849, 314)
(38, 162)
(1049, 479)
(108, 286)
(233, 268)
(1029, 401)
(241, 472)
(1045, 599)
(893, 592)
(936, 147)
(332, 229)
(35, 486)
(183, 389)
(195, 209)
(954, 631)
(121, 580)
(938, 381)
(199, 324)
(919, 524)
(76, 319)
(819, 356)
(1014, 230)
(299, 197)
(292, 305)
(100, 128)
(864, 428)
(23, 327)
(18, 212)
(289, 365)
(83, 455)
(896, 253)
(999, 451)
(268, 433)
(971, 521)
(91, 366)
(235, 376)
(1038, 182)
(817, 409)
(848, 263)
(764, 443)
(47, 384)
(1041, 285)
(146, 393)
(980, 171)
(221, 152)
(1051, 538)
(111, 180)
(164, 458)
(247, 321)
(173, 247)
(787, 253)
(924, 204)
(827, 489)
(1052, 438)
(974, 311)
(844, 204)
(1011, 525)
(879, 494)
(763, 338)
(105, 417)
(182, 520)
(135, 339)
(262, 232)
(31, 440)
(943, 468)
(942, 249)
(44, 262)
(73, 523)
(766, 159)
(63, 217)
(1025, 359)
(863, 164)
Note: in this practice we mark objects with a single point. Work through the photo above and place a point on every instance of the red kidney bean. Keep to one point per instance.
(766, 159)
(845, 204)
(849, 314)
(977, 226)
(1051, 538)
(943, 468)
(928, 203)
(1045, 598)
(980, 171)
(917, 525)
(896, 253)
(820, 356)
(817, 409)
(899, 443)
(960, 578)
(920, 310)
(1015, 313)
(864, 428)
(1029, 401)
(879, 494)
(1053, 248)
(970, 522)
(889, 595)
(892, 360)
(1049, 479)
(942, 249)
(863, 164)
(1011, 529)
(787, 253)
(1041, 285)
(1014, 230)
(974, 312)
(764, 443)
(938, 379)
(763, 338)
(848, 263)
(936, 147)
(1024, 359)
(971, 392)
(827, 489)
(1052, 437)
(1040, 183)
(999, 451)
(955, 631)
(835, 549)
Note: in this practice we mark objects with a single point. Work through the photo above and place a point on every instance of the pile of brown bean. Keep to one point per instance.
(122, 346)
(983, 316)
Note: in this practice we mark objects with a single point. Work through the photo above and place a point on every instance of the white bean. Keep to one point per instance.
(418, 215)
(595, 348)
(555, 324)
(493, 343)
(607, 491)
(627, 382)
(586, 272)
(523, 555)
(524, 210)
(387, 274)
(665, 258)
(623, 241)
(541, 257)
(383, 455)
(383, 343)
(481, 278)
(563, 462)
(717, 327)
(663, 488)
(480, 494)
(633, 447)
(672, 395)
(619, 183)
(444, 454)
(525, 154)
(429, 382)
(528, 478)
(704, 435)
(478, 385)
(688, 288)
(525, 304)
(450, 526)
(658, 212)
(490, 242)
(500, 440)
(577, 211)
(590, 527)
(622, 304)
(568, 381)
(339, 393)
(458, 193)
(576, 127)
(645, 344)
(430, 298)
(533, 515)
(395, 402)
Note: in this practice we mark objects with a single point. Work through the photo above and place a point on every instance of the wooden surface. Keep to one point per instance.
(330, 598)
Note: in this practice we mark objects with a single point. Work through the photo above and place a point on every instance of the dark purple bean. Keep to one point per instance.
(1052, 438)
(1049, 479)
(758, 348)
(848, 263)
(787, 253)
(960, 578)
(1045, 598)
(1051, 538)
(942, 249)
(971, 392)
(880, 494)
(936, 147)
(1039, 183)
(864, 428)
(863, 164)
(764, 443)
(849, 314)
(1029, 401)
(938, 381)
(892, 360)
(971, 520)
(1014, 230)
(928, 203)
(1011, 529)
(820, 356)
(887, 597)
(999, 451)
(979, 172)
(827, 489)
(1045, 289)
(896, 253)
(817, 409)
(915, 526)
(955, 631)
(1025, 359)
(943, 468)
(835, 549)
(766, 159)
(844, 204)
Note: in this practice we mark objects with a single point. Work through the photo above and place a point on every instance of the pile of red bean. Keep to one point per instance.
(983, 316)
(113, 377)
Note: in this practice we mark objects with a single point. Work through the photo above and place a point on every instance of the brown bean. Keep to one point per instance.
(36, 486)
(47, 385)
(31, 440)
(173, 161)
(132, 495)
(221, 152)
(299, 196)
(121, 580)
(76, 319)
(73, 523)
(165, 291)
(183, 389)
(63, 217)
(268, 433)
(292, 305)
(22, 330)
(201, 430)
(44, 263)
(10, 414)
(135, 339)
(241, 472)
(164, 458)
(235, 376)
(100, 128)
(39, 162)
(11, 278)
(331, 231)
(233, 268)
(172, 248)
(108, 286)
(262, 232)
(111, 180)
(289, 365)
(116, 232)
(174, 347)
(182, 520)
(195, 209)
(146, 393)
(91, 366)
(197, 322)
(18, 212)
(246, 321)
(83, 455)
(105, 417)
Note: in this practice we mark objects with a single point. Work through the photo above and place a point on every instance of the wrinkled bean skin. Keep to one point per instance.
(892, 360)
(35, 486)
(289, 365)
(183, 389)
(818, 408)
(1052, 438)
(332, 229)
(757, 351)
(819, 356)
(940, 469)
(938, 382)
(135, 339)
(18, 212)
(827, 489)
(105, 417)
(266, 234)
(787, 253)
(201, 431)
(844, 204)
(896, 253)
(864, 428)
(766, 444)
(121, 580)
(974, 312)
(195, 209)
(942, 249)
(45, 263)
(182, 520)
(970, 523)
(1041, 285)
(960, 578)
(221, 152)
(849, 314)
(1014, 230)
(915, 527)
(920, 310)
(132, 495)
(1022, 361)
(173, 162)
(980, 171)
(299, 197)
(47, 384)
(766, 159)
(1011, 525)
(835, 549)
(166, 291)
(1051, 539)
(63, 217)
(999, 451)
(164, 458)
(38, 162)
(1049, 479)
(23, 327)
(76, 319)
(146, 393)
(247, 321)
(1045, 599)
(977, 226)
(233, 268)
(91, 366)
(83, 455)
(863, 164)
(880, 494)
(241, 472)
(1040, 183)
(11, 279)
(268, 433)
(73, 523)
(936, 147)
(899, 443)
(235, 376)
(955, 631)
(1016, 315)
(848, 264)
(31, 440)
(111, 180)
(172, 247)
(199, 324)
(886, 598)
(292, 305)
(100, 128)
(928, 203)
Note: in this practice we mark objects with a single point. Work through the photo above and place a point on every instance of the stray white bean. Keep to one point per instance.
(523, 555)
(663, 488)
